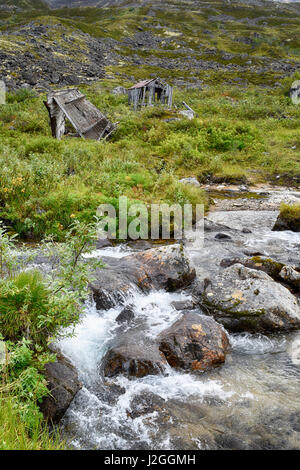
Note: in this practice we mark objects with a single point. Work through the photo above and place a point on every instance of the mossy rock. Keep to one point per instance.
(288, 219)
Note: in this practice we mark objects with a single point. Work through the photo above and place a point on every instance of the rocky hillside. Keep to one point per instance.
(44, 53)
(190, 43)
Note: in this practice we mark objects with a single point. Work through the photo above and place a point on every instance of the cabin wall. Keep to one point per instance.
(150, 94)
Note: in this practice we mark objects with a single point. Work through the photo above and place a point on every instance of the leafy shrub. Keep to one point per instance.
(25, 308)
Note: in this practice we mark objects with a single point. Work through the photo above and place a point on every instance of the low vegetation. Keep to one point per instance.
(36, 310)
(246, 130)
(289, 218)
(238, 135)
(290, 212)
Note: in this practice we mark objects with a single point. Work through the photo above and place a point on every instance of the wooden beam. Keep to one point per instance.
(188, 107)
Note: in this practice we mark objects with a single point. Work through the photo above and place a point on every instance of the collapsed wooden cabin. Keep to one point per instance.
(149, 92)
(86, 119)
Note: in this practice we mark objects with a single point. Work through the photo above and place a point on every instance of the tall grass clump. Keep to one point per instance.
(36, 309)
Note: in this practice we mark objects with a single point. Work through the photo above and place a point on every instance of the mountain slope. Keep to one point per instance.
(10, 5)
(188, 43)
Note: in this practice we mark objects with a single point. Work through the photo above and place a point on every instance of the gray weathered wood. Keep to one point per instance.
(148, 92)
(87, 120)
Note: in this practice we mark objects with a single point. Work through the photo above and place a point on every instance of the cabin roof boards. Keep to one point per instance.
(86, 119)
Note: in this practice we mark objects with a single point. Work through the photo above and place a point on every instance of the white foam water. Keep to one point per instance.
(100, 424)
(97, 420)
(234, 406)
(118, 252)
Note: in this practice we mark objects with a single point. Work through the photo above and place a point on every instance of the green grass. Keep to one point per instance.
(238, 135)
(14, 433)
(241, 133)
(290, 212)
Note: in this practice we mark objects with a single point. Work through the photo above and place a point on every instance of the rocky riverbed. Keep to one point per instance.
(163, 364)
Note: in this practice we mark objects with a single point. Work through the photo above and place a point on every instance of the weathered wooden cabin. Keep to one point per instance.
(149, 92)
(86, 119)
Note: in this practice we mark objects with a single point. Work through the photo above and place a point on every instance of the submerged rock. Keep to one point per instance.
(146, 403)
(194, 342)
(133, 360)
(223, 236)
(158, 268)
(63, 384)
(183, 305)
(244, 299)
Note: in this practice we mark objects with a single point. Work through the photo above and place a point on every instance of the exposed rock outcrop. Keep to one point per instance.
(158, 268)
(63, 384)
(40, 55)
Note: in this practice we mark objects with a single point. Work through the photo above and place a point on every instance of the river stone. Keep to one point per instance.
(191, 181)
(194, 342)
(63, 384)
(133, 360)
(291, 276)
(103, 243)
(244, 299)
(158, 268)
(223, 236)
(183, 305)
(280, 272)
(259, 263)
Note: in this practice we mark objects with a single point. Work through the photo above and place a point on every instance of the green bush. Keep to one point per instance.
(25, 308)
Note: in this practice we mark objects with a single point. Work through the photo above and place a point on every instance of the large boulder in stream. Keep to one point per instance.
(288, 219)
(158, 268)
(133, 360)
(280, 272)
(63, 384)
(194, 342)
(245, 299)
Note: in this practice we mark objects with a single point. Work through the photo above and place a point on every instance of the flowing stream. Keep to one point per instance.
(251, 402)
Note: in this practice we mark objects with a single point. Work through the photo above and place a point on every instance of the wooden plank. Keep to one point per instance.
(87, 120)
(75, 99)
(61, 104)
(93, 125)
